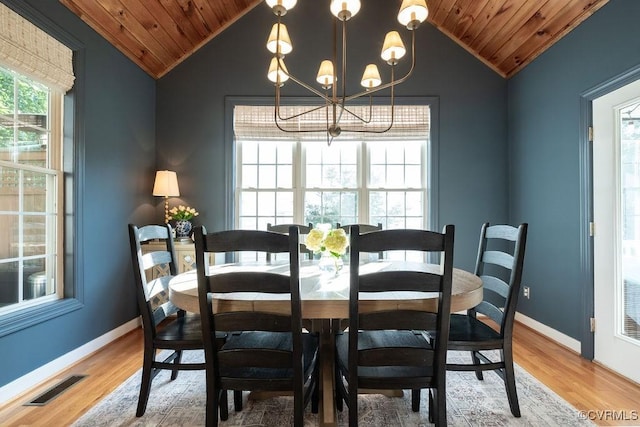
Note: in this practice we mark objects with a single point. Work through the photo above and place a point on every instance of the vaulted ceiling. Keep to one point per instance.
(504, 34)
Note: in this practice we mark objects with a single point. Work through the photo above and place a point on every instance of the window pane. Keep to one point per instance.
(284, 203)
(267, 176)
(249, 176)
(248, 203)
(267, 152)
(285, 176)
(314, 176)
(266, 203)
(249, 152)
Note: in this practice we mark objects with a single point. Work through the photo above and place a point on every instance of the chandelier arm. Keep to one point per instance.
(391, 83)
(299, 114)
(392, 116)
(357, 116)
(276, 116)
(300, 82)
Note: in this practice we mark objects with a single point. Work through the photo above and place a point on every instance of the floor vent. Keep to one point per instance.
(55, 391)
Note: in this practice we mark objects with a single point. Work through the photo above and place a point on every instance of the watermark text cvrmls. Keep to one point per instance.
(610, 415)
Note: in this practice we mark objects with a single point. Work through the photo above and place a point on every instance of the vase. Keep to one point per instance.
(183, 229)
(329, 264)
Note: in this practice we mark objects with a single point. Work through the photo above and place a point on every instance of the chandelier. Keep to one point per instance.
(412, 13)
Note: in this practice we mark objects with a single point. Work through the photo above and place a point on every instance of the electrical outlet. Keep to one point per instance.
(526, 292)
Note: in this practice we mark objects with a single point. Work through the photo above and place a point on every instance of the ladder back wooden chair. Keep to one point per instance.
(267, 351)
(390, 349)
(499, 265)
(161, 330)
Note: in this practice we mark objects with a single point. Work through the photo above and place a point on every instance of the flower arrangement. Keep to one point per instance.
(182, 213)
(333, 241)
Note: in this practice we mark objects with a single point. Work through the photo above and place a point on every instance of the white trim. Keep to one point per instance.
(39, 375)
(551, 333)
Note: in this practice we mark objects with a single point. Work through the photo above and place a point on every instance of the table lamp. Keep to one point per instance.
(166, 184)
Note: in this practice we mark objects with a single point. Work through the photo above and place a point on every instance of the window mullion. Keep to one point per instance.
(363, 185)
(299, 181)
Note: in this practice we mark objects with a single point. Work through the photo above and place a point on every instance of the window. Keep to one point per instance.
(30, 192)
(297, 177)
(36, 70)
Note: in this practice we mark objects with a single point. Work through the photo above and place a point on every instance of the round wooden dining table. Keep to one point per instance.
(325, 298)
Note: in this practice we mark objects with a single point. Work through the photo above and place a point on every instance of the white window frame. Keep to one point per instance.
(54, 247)
(299, 188)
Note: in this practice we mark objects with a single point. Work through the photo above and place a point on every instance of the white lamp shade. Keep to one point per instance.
(344, 9)
(412, 13)
(276, 75)
(166, 184)
(285, 42)
(286, 4)
(325, 73)
(371, 77)
(393, 49)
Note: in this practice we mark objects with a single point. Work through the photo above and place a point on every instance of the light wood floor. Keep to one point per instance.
(585, 385)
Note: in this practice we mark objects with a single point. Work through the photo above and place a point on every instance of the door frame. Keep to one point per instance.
(586, 200)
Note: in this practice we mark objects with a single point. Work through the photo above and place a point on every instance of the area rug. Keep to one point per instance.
(469, 403)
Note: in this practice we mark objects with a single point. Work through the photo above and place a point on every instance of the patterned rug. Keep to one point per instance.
(469, 403)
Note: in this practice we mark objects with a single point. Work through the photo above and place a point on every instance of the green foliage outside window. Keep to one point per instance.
(29, 120)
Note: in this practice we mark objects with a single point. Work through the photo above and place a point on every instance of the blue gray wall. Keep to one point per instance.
(544, 128)
(472, 128)
(117, 158)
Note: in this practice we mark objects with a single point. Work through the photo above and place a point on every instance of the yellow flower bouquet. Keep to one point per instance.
(331, 243)
(182, 213)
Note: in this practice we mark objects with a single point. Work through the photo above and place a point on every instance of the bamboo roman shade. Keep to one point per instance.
(256, 122)
(30, 51)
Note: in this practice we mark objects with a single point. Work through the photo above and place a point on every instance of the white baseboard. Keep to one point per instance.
(37, 376)
(551, 333)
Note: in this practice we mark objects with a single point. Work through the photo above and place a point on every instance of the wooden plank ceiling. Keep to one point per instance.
(504, 34)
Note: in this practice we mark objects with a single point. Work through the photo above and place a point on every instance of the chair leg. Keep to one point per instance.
(431, 408)
(145, 384)
(440, 407)
(224, 405)
(211, 405)
(339, 396)
(510, 382)
(176, 361)
(315, 397)
(237, 400)
(415, 400)
(353, 406)
(476, 361)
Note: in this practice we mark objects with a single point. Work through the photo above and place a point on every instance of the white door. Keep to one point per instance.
(616, 209)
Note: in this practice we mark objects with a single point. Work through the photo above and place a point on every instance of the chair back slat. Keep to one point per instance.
(502, 259)
(250, 321)
(496, 285)
(245, 240)
(398, 319)
(490, 310)
(502, 231)
(250, 281)
(400, 239)
(416, 281)
(152, 259)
